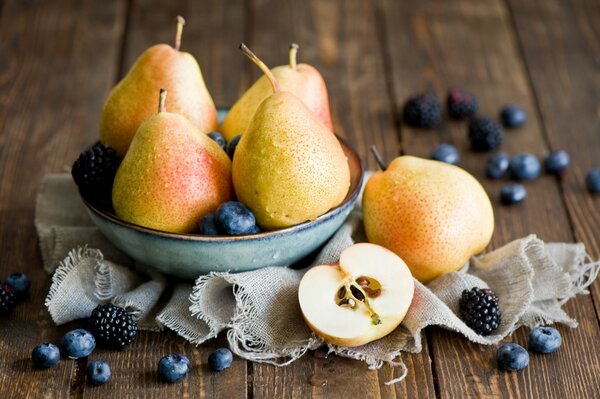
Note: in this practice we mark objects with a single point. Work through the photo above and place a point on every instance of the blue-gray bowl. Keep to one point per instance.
(189, 256)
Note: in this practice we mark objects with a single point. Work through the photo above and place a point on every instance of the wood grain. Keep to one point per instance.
(470, 44)
(54, 72)
(561, 53)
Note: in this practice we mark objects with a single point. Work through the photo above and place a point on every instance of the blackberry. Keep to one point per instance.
(8, 300)
(94, 173)
(485, 134)
(423, 110)
(461, 104)
(112, 326)
(479, 309)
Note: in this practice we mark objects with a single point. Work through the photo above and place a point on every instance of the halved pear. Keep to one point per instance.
(359, 300)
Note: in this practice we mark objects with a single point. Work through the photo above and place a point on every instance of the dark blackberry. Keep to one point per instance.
(423, 110)
(479, 309)
(461, 104)
(112, 326)
(485, 134)
(94, 173)
(8, 300)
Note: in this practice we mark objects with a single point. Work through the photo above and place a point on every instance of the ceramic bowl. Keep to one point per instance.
(189, 256)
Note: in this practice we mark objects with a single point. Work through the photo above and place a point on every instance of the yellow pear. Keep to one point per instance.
(303, 80)
(130, 101)
(172, 175)
(288, 167)
(434, 215)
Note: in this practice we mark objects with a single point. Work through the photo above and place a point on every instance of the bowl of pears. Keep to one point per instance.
(187, 189)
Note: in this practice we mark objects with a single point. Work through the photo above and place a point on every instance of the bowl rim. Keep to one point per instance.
(350, 198)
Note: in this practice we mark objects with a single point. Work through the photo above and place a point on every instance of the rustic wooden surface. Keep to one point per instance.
(59, 59)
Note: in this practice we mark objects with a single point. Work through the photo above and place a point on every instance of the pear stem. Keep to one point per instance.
(161, 100)
(180, 23)
(382, 165)
(248, 53)
(293, 52)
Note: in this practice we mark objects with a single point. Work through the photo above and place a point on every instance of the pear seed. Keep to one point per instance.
(362, 281)
(357, 293)
(372, 293)
(341, 292)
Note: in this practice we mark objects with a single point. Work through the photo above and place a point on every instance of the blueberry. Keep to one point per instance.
(525, 166)
(557, 162)
(233, 218)
(45, 355)
(207, 225)
(445, 153)
(78, 343)
(220, 359)
(98, 372)
(512, 357)
(20, 284)
(512, 193)
(544, 340)
(233, 145)
(592, 181)
(219, 139)
(497, 165)
(513, 116)
(174, 367)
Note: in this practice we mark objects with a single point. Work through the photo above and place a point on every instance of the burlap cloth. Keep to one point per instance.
(259, 309)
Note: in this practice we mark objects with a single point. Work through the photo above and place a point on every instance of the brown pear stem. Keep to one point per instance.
(180, 23)
(293, 53)
(378, 158)
(248, 53)
(161, 100)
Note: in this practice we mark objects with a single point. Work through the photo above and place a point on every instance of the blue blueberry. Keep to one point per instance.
(219, 139)
(513, 116)
(525, 167)
(220, 359)
(174, 367)
(592, 181)
(512, 357)
(207, 225)
(445, 153)
(45, 355)
(78, 343)
(512, 193)
(497, 165)
(557, 162)
(544, 340)
(233, 218)
(233, 145)
(98, 372)
(20, 283)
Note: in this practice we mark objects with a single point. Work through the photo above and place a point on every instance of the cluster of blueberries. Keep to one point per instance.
(81, 343)
(485, 134)
(513, 357)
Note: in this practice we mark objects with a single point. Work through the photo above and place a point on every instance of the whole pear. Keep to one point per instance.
(288, 167)
(303, 80)
(130, 101)
(434, 215)
(172, 175)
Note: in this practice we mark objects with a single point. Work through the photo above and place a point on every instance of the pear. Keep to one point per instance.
(288, 167)
(129, 103)
(303, 80)
(434, 215)
(172, 175)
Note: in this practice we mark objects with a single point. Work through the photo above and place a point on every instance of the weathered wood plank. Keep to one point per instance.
(560, 42)
(340, 39)
(211, 34)
(54, 71)
(470, 44)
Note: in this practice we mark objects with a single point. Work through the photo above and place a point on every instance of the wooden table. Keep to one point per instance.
(59, 59)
